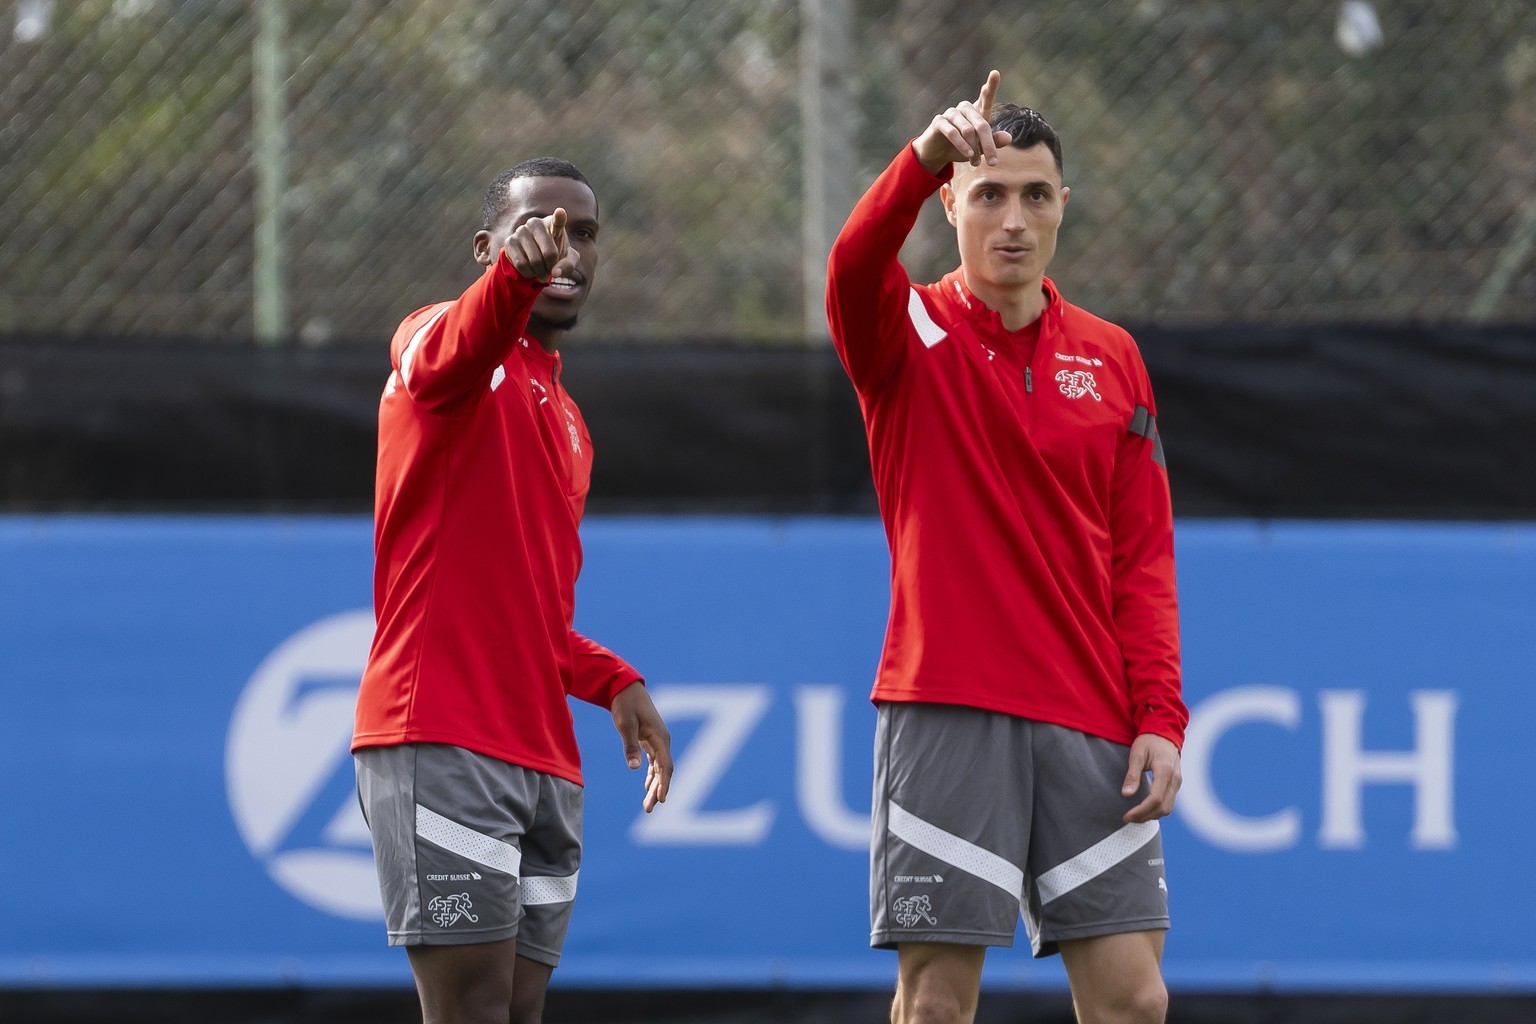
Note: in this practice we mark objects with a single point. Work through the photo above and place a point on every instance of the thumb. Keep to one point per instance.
(1133, 773)
(629, 733)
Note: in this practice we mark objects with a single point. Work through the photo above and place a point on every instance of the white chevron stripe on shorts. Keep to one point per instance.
(1095, 860)
(466, 842)
(951, 849)
(535, 890)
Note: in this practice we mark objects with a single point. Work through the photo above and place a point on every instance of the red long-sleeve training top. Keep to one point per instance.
(1022, 486)
(483, 467)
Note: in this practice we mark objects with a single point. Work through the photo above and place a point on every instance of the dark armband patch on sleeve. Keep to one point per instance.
(1144, 424)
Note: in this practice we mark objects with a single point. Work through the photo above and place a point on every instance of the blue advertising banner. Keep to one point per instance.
(176, 703)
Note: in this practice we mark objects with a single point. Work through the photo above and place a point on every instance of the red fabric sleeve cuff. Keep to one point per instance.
(1159, 725)
(945, 175)
(620, 682)
(504, 266)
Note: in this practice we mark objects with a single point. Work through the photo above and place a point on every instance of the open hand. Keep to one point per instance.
(642, 730)
(962, 133)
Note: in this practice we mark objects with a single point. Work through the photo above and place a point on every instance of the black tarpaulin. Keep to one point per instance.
(1386, 422)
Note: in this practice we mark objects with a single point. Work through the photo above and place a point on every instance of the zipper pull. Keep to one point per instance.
(1029, 381)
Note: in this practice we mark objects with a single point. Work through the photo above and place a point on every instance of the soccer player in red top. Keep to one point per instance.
(466, 756)
(1029, 709)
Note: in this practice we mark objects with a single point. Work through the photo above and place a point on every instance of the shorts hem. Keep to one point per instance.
(886, 939)
(1050, 941)
(539, 954)
(452, 938)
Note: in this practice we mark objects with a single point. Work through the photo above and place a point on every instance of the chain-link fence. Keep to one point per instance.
(219, 168)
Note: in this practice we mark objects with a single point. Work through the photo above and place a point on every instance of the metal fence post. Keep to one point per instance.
(270, 152)
(828, 126)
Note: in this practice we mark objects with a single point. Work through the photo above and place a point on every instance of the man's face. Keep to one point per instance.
(560, 301)
(1006, 216)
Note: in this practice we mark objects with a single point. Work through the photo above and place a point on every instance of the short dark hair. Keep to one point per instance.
(1028, 128)
(496, 199)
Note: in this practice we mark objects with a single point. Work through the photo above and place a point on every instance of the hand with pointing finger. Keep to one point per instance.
(539, 248)
(962, 133)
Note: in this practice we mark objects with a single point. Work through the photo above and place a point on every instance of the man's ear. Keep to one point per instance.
(947, 197)
(484, 254)
(1066, 194)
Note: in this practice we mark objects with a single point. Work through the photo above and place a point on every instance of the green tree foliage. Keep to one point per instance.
(1229, 161)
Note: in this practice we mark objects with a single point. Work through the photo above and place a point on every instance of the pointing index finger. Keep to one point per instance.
(988, 93)
(557, 224)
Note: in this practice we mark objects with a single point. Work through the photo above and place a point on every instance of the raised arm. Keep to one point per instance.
(451, 351)
(867, 289)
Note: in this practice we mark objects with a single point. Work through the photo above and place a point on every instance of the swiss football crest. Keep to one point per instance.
(912, 909)
(450, 909)
(1077, 383)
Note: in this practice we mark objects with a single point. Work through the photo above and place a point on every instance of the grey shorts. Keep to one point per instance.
(470, 848)
(980, 817)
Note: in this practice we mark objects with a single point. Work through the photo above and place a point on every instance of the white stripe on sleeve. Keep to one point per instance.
(410, 350)
(930, 332)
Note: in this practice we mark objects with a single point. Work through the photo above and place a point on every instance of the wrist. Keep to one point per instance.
(505, 267)
(621, 684)
(939, 168)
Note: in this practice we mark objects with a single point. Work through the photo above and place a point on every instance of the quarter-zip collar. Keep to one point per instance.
(535, 353)
(963, 303)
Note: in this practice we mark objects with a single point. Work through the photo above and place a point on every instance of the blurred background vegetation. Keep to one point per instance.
(223, 169)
